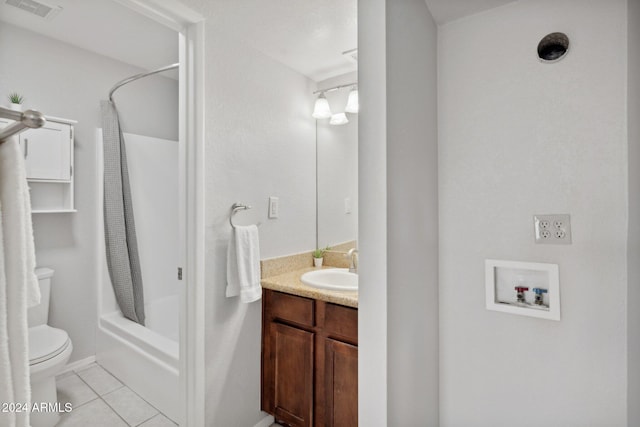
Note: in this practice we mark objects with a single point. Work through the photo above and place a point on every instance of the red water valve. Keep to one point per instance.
(521, 290)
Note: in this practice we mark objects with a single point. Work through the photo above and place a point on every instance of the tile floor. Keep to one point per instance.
(100, 400)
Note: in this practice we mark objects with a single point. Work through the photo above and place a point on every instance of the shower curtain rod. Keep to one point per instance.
(139, 76)
(29, 119)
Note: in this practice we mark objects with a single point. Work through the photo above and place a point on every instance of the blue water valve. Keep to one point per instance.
(539, 295)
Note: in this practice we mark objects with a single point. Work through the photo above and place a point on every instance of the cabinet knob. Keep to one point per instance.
(26, 148)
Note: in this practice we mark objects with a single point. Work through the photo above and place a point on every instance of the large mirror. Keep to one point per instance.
(274, 141)
(337, 164)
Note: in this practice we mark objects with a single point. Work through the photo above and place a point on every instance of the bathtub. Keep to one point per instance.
(145, 358)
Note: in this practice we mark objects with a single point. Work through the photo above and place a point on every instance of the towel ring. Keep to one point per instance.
(235, 208)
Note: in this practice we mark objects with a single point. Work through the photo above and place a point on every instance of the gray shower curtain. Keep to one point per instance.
(119, 226)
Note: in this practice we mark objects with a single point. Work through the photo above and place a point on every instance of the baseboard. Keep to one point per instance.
(78, 364)
(265, 422)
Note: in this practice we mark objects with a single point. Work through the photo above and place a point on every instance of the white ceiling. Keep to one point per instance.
(449, 10)
(306, 35)
(309, 36)
(104, 27)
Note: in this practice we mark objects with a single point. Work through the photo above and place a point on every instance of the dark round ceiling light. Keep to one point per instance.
(553, 47)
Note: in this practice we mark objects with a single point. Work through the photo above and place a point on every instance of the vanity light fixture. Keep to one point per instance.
(339, 119)
(353, 106)
(321, 109)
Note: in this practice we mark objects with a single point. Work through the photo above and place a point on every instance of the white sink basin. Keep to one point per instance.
(337, 279)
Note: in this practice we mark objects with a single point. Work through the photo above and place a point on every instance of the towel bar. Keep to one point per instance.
(235, 208)
(29, 119)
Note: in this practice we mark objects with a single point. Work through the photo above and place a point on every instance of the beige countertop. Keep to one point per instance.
(290, 283)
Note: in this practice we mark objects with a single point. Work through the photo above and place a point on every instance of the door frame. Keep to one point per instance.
(190, 26)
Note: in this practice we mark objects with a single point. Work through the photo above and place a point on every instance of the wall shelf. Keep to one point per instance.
(48, 154)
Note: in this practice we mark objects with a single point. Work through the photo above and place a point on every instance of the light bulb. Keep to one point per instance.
(352, 103)
(339, 119)
(321, 109)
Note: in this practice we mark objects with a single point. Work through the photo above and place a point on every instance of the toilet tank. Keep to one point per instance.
(39, 314)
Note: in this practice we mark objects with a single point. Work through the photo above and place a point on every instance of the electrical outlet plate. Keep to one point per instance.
(552, 229)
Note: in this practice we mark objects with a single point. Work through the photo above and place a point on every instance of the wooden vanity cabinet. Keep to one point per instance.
(309, 361)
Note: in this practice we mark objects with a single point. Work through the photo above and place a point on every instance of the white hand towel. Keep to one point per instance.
(243, 264)
(18, 282)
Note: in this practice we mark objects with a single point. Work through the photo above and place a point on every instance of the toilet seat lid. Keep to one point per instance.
(46, 342)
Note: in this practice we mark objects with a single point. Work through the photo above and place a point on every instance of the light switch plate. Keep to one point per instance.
(347, 205)
(274, 207)
(552, 229)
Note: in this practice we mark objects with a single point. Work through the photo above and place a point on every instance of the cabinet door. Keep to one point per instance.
(293, 382)
(47, 152)
(341, 376)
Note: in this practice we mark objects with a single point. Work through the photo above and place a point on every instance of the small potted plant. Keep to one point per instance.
(318, 256)
(16, 101)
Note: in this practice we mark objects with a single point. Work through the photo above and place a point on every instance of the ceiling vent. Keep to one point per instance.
(35, 8)
(351, 55)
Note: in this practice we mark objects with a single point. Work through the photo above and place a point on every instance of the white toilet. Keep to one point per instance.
(49, 352)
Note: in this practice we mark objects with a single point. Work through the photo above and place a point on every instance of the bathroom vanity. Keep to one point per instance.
(309, 359)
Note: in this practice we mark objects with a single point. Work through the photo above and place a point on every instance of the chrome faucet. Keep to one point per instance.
(353, 260)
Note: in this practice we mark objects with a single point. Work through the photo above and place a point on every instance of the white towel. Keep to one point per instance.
(18, 282)
(243, 264)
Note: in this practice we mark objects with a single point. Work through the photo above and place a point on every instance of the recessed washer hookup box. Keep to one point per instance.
(524, 288)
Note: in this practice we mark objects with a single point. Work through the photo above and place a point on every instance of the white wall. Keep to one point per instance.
(337, 168)
(372, 218)
(65, 81)
(412, 209)
(519, 137)
(260, 142)
(633, 244)
(398, 223)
